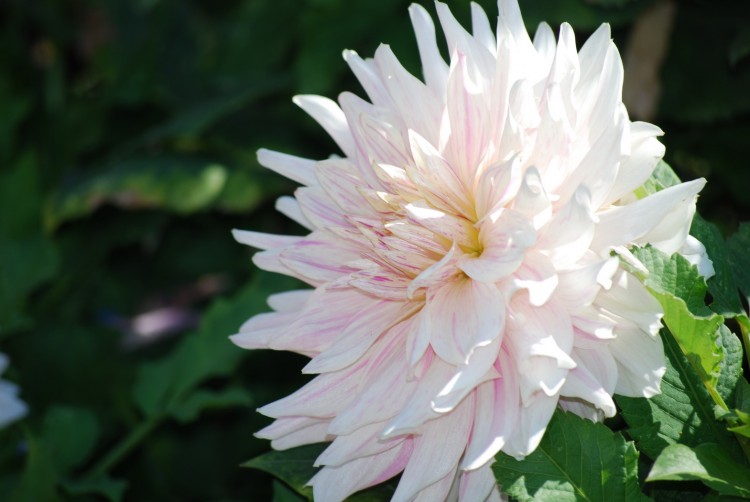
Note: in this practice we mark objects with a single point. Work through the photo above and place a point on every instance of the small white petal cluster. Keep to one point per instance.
(11, 407)
(463, 255)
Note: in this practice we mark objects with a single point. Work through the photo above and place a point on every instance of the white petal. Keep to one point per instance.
(290, 207)
(295, 168)
(640, 363)
(328, 114)
(434, 66)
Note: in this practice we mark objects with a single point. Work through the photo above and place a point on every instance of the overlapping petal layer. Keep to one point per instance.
(461, 255)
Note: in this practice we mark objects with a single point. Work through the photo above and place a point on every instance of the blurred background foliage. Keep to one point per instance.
(128, 132)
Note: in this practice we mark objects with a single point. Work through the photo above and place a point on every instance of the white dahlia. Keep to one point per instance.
(461, 258)
(11, 407)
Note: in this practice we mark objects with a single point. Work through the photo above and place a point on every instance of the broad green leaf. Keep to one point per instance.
(662, 177)
(739, 258)
(282, 493)
(176, 183)
(682, 413)
(293, 466)
(163, 385)
(681, 292)
(731, 369)
(708, 463)
(204, 399)
(20, 198)
(576, 460)
(25, 263)
(40, 476)
(722, 286)
(69, 435)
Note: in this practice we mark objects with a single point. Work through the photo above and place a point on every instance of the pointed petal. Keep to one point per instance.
(330, 117)
(295, 168)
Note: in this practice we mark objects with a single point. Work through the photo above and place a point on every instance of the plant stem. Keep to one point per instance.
(121, 449)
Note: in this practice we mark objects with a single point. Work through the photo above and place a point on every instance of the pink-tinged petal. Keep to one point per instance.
(498, 405)
(538, 276)
(498, 185)
(320, 257)
(263, 240)
(418, 411)
(629, 299)
(360, 443)
(477, 484)
(436, 178)
(540, 340)
(408, 93)
(322, 397)
(442, 489)
(462, 316)
(381, 283)
(382, 141)
(569, 233)
(646, 152)
(581, 384)
(289, 207)
(592, 327)
(289, 301)
(270, 261)
(478, 369)
(532, 199)
(504, 236)
(434, 67)
(290, 432)
(600, 363)
(640, 362)
(417, 235)
(319, 209)
(366, 73)
(663, 215)
(479, 59)
(481, 30)
(324, 317)
(359, 336)
(437, 451)
(335, 484)
(406, 256)
(387, 387)
(532, 422)
(451, 228)
(259, 331)
(340, 181)
(469, 121)
(330, 117)
(579, 287)
(295, 168)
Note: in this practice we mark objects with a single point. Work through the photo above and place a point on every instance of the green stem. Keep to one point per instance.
(744, 323)
(121, 449)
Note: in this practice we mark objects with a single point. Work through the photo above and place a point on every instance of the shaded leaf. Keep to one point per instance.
(293, 466)
(203, 399)
(707, 463)
(111, 489)
(576, 460)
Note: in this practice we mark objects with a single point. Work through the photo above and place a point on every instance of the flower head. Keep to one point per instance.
(461, 258)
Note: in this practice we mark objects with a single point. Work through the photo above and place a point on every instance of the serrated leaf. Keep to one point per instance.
(707, 463)
(681, 292)
(731, 369)
(293, 466)
(683, 412)
(204, 399)
(576, 460)
(662, 177)
(722, 286)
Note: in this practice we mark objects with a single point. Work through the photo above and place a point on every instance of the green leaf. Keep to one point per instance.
(20, 198)
(282, 493)
(111, 489)
(740, 47)
(162, 386)
(681, 292)
(69, 435)
(739, 258)
(707, 463)
(25, 263)
(40, 476)
(722, 286)
(731, 369)
(576, 460)
(662, 177)
(293, 466)
(683, 412)
(176, 183)
(204, 399)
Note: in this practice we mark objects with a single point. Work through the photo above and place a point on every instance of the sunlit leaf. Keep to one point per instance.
(576, 460)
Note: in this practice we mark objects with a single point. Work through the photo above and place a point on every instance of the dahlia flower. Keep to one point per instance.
(11, 408)
(465, 258)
